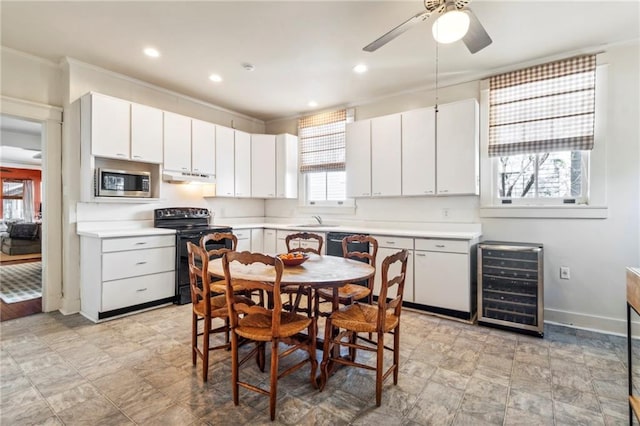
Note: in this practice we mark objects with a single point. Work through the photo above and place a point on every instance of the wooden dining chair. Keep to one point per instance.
(264, 325)
(342, 328)
(316, 242)
(351, 292)
(206, 307)
(218, 286)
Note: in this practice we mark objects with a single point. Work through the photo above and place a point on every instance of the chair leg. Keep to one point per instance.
(273, 388)
(311, 348)
(396, 354)
(326, 353)
(309, 304)
(353, 337)
(205, 348)
(260, 355)
(379, 367)
(234, 368)
(194, 338)
(226, 333)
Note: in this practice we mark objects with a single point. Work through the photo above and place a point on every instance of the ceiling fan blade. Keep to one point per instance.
(419, 17)
(476, 38)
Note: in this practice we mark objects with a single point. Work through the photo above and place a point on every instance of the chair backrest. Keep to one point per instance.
(388, 282)
(238, 308)
(218, 237)
(305, 236)
(198, 275)
(370, 256)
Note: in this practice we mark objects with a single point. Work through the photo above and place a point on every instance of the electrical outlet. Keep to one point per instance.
(445, 213)
(565, 273)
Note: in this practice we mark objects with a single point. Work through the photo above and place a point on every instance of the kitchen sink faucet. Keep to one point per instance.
(318, 218)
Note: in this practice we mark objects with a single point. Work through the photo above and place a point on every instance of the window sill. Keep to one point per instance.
(545, 212)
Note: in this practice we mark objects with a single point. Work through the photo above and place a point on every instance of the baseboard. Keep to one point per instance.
(587, 322)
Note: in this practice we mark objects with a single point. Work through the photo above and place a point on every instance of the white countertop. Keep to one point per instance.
(116, 233)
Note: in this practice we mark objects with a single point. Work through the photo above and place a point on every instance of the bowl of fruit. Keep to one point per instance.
(293, 259)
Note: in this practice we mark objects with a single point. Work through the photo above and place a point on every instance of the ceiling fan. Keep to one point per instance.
(454, 21)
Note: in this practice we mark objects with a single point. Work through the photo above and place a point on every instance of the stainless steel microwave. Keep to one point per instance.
(122, 183)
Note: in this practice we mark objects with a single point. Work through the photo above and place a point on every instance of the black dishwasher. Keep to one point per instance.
(334, 245)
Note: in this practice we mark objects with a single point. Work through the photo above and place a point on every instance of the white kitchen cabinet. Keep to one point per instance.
(203, 147)
(387, 246)
(386, 156)
(263, 166)
(177, 142)
(257, 240)
(244, 239)
(457, 148)
(242, 172)
(358, 158)
(419, 152)
(106, 122)
(269, 244)
(126, 274)
(442, 274)
(286, 166)
(225, 159)
(146, 134)
(281, 244)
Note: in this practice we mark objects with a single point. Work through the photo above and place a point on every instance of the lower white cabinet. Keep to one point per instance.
(244, 239)
(257, 240)
(125, 274)
(269, 245)
(443, 276)
(388, 246)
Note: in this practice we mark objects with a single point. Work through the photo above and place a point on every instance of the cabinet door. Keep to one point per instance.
(281, 243)
(242, 164)
(386, 156)
(177, 142)
(146, 134)
(203, 147)
(442, 280)
(457, 153)
(286, 166)
(358, 158)
(263, 166)
(225, 159)
(110, 127)
(419, 152)
(269, 242)
(244, 239)
(257, 240)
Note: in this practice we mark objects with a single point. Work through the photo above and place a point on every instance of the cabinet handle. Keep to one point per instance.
(141, 243)
(377, 193)
(196, 170)
(184, 168)
(390, 242)
(365, 193)
(142, 289)
(141, 263)
(440, 245)
(269, 195)
(444, 190)
(120, 155)
(420, 254)
(137, 156)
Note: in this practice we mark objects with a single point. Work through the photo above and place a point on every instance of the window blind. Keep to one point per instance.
(549, 107)
(322, 140)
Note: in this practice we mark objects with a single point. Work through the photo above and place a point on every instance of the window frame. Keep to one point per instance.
(594, 207)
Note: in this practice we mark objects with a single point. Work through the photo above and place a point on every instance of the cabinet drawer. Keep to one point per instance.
(242, 233)
(133, 263)
(394, 242)
(451, 246)
(134, 291)
(135, 243)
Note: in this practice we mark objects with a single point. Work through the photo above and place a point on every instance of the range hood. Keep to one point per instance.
(187, 177)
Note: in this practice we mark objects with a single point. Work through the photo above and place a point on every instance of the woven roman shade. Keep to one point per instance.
(549, 107)
(322, 141)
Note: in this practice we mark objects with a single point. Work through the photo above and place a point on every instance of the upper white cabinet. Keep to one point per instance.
(419, 152)
(242, 164)
(286, 166)
(225, 159)
(107, 121)
(177, 142)
(146, 134)
(203, 147)
(457, 154)
(358, 158)
(386, 156)
(263, 166)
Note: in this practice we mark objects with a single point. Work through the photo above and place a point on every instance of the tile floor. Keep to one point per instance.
(59, 369)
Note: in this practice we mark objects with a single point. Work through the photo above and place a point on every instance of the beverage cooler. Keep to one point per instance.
(510, 286)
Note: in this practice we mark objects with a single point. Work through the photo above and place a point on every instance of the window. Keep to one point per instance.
(541, 132)
(12, 195)
(322, 157)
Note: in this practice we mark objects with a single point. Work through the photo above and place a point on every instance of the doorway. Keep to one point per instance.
(21, 189)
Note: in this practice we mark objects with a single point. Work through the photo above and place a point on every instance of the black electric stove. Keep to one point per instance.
(191, 224)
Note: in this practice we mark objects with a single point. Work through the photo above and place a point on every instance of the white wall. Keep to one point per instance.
(596, 250)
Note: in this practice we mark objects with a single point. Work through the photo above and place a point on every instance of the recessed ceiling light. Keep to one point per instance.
(151, 52)
(247, 66)
(215, 78)
(360, 68)
(312, 104)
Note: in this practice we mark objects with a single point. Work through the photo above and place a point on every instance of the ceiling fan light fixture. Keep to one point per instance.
(450, 26)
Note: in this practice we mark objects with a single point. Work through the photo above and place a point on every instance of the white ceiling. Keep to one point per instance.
(302, 50)
(19, 141)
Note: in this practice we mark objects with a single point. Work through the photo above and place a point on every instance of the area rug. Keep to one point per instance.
(20, 282)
